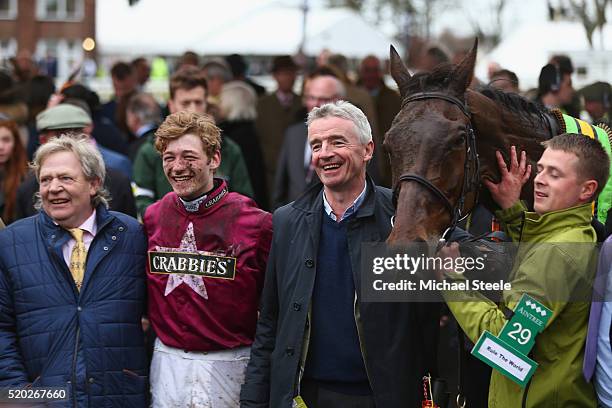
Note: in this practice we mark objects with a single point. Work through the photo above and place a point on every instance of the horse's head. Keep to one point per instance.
(430, 143)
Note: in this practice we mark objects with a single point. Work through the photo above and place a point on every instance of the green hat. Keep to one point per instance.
(62, 116)
(597, 92)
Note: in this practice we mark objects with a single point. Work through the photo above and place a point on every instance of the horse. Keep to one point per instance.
(442, 144)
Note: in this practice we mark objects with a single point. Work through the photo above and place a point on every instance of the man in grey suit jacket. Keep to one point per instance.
(294, 171)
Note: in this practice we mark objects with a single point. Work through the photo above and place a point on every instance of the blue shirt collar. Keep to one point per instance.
(144, 129)
(349, 211)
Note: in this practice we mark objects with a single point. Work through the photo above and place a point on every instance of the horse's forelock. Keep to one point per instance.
(437, 80)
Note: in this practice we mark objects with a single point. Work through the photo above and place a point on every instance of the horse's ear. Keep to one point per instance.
(464, 72)
(399, 72)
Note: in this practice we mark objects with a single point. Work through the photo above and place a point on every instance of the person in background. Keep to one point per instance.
(566, 65)
(431, 58)
(13, 167)
(12, 104)
(124, 85)
(38, 91)
(354, 94)
(142, 70)
(74, 114)
(188, 59)
(24, 66)
(555, 86)
(362, 99)
(387, 103)
(187, 93)
(238, 111)
(143, 116)
(239, 68)
(295, 172)
(276, 112)
(505, 80)
(104, 130)
(68, 119)
(217, 73)
(598, 102)
(597, 365)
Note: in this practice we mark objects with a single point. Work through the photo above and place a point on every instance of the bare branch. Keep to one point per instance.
(589, 24)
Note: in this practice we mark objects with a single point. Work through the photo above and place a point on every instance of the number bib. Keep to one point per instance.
(508, 352)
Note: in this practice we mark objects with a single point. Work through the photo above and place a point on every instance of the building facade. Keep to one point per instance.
(51, 31)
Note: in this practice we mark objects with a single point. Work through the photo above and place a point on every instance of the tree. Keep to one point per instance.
(493, 34)
(415, 16)
(591, 19)
(356, 5)
(591, 13)
(411, 17)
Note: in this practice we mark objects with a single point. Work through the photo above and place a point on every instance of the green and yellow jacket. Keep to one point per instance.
(555, 261)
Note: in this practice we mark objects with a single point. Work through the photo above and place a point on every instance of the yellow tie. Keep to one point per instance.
(78, 257)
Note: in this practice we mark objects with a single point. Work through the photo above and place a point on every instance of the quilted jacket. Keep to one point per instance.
(90, 342)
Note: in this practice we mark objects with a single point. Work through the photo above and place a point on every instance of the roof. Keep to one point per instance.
(526, 50)
(233, 26)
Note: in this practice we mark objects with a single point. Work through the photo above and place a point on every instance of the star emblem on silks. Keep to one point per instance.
(196, 283)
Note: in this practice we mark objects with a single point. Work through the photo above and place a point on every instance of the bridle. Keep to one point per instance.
(471, 167)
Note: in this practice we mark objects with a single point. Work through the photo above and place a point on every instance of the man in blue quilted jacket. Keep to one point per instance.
(72, 287)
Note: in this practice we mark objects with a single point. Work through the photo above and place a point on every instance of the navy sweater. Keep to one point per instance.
(334, 354)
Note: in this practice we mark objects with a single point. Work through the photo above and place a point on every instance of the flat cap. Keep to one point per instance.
(62, 116)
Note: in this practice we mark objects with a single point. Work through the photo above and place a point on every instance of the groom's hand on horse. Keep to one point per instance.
(508, 191)
(450, 250)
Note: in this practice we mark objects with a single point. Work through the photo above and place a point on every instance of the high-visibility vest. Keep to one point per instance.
(573, 125)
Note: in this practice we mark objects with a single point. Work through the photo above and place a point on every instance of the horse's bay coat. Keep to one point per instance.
(549, 271)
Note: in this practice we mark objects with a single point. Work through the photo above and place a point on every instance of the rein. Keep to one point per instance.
(471, 166)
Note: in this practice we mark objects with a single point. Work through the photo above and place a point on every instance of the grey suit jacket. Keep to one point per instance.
(291, 173)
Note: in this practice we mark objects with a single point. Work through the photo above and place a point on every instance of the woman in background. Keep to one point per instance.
(13, 167)
(237, 121)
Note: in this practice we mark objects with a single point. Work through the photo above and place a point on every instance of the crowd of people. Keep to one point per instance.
(142, 265)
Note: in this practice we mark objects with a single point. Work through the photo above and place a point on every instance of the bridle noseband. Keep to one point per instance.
(471, 167)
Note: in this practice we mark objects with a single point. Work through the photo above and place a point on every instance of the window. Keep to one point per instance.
(8, 9)
(8, 49)
(60, 10)
(66, 53)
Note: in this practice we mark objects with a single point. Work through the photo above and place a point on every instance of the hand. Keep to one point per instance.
(508, 190)
(447, 251)
(145, 324)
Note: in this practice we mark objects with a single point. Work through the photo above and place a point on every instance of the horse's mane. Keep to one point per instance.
(441, 78)
(516, 104)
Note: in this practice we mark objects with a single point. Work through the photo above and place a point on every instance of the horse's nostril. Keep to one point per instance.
(419, 240)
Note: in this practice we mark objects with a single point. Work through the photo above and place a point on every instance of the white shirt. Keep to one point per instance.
(349, 211)
(90, 228)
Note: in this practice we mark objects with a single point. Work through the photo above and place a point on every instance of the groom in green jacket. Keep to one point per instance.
(570, 174)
